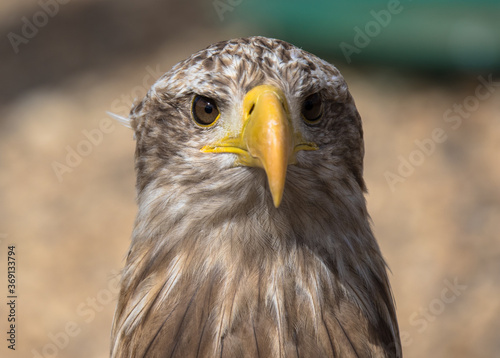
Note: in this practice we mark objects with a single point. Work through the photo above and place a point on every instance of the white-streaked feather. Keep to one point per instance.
(125, 121)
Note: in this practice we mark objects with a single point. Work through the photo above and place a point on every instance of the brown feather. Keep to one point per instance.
(214, 269)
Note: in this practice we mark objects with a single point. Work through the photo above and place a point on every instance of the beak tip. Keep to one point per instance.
(277, 195)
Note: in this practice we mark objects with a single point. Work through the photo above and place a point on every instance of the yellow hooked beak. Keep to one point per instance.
(267, 139)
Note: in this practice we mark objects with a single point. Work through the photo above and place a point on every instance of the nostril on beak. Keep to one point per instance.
(251, 109)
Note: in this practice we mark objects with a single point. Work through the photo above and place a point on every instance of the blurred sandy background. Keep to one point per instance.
(438, 225)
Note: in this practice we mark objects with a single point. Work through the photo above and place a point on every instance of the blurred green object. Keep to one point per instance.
(459, 35)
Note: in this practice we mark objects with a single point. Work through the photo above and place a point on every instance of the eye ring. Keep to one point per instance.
(204, 111)
(312, 108)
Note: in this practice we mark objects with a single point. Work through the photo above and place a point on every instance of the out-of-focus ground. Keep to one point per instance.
(70, 216)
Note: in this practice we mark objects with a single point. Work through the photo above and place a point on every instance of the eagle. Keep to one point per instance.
(252, 237)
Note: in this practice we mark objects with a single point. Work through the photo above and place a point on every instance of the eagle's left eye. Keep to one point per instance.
(312, 108)
(205, 111)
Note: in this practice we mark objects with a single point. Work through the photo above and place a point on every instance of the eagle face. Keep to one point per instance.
(320, 125)
(252, 237)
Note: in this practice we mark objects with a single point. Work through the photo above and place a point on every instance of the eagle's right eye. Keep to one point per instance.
(205, 111)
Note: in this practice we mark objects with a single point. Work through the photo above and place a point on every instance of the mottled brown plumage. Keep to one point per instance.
(220, 264)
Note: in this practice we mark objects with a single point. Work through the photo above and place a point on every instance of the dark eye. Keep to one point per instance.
(312, 108)
(205, 111)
